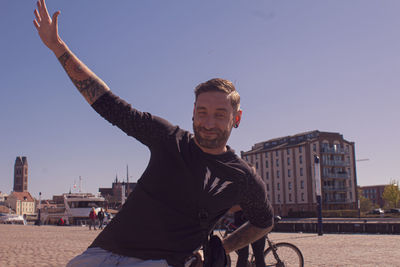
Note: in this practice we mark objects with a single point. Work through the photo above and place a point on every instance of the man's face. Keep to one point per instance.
(213, 120)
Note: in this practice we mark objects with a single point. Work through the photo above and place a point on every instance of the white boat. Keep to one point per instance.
(77, 207)
(8, 218)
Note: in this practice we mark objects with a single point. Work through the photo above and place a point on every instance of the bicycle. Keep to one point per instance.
(280, 254)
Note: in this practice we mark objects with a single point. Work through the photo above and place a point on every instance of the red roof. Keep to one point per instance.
(22, 196)
(4, 209)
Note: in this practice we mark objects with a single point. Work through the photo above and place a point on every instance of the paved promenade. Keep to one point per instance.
(41, 246)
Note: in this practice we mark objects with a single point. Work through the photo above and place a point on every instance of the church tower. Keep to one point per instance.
(21, 175)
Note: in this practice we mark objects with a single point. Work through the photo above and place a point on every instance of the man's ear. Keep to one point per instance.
(238, 118)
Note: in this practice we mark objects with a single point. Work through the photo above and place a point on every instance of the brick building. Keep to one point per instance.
(286, 165)
(21, 175)
(374, 193)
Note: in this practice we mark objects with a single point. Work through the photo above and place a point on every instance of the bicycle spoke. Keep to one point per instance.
(288, 254)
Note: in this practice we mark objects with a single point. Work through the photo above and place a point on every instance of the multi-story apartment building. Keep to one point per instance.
(286, 165)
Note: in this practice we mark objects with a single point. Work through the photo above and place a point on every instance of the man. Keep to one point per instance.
(100, 216)
(92, 218)
(190, 182)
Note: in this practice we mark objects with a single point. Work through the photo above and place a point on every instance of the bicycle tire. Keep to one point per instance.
(289, 254)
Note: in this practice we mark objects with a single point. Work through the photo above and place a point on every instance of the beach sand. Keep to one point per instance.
(29, 245)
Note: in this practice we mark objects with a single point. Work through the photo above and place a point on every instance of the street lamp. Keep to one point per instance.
(40, 201)
(318, 193)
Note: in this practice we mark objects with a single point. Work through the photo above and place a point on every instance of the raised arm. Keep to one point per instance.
(88, 84)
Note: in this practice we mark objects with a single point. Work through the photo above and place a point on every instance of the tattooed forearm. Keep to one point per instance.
(88, 84)
(243, 236)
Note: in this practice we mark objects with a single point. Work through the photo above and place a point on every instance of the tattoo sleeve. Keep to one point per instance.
(243, 236)
(88, 84)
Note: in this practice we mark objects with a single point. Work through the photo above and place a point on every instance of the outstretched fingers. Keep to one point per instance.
(38, 18)
(55, 17)
(36, 24)
(43, 13)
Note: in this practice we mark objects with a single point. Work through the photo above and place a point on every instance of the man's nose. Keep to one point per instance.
(209, 122)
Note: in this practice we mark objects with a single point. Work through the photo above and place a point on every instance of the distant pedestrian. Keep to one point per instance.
(92, 217)
(100, 215)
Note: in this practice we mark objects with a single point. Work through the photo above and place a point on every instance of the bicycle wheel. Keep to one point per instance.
(288, 254)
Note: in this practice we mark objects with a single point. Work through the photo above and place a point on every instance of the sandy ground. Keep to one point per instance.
(29, 245)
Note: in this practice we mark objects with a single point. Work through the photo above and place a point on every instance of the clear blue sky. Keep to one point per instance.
(298, 65)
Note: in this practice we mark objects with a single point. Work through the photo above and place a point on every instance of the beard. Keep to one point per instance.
(217, 142)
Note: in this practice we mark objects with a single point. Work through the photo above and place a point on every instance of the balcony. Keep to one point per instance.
(334, 150)
(339, 163)
(335, 175)
(334, 188)
(336, 201)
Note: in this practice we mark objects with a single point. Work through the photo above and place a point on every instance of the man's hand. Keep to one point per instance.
(88, 84)
(48, 28)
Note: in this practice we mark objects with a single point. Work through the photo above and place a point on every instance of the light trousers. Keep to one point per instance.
(98, 257)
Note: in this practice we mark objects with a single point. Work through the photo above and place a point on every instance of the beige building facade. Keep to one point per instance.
(287, 167)
(22, 203)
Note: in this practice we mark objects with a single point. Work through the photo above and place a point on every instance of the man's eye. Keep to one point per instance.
(220, 116)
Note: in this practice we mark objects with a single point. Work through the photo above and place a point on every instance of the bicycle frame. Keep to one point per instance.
(274, 248)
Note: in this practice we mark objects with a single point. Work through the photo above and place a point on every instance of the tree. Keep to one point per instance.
(391, 194)
(365, 203)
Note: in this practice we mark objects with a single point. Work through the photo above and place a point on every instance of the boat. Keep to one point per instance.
(75, 209)
(8, 218)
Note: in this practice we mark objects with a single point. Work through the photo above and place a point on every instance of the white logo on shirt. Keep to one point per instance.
(216, 185)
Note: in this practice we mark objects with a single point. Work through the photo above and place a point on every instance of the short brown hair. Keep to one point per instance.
(220, 85)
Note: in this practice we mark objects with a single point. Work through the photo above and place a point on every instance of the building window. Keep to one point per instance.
(288, 161)
(302, 196)
(301, 171)
(351, 195)
(278, 185)
(256, 156)
(301, 159)
(290, 197)
(290, 185)
(267, 175)
(302, 184)
(279, 198)
(277, 162)
(278, 174)
(314, 147)
(276, 153)
(288, 151)
(266, 164)
(266, 155)
(300, 149)
(289, 173)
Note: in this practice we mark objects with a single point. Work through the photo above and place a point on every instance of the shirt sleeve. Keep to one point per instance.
(143, 126)
(256, 207)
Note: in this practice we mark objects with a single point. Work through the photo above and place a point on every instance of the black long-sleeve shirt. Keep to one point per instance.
(160, 219)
